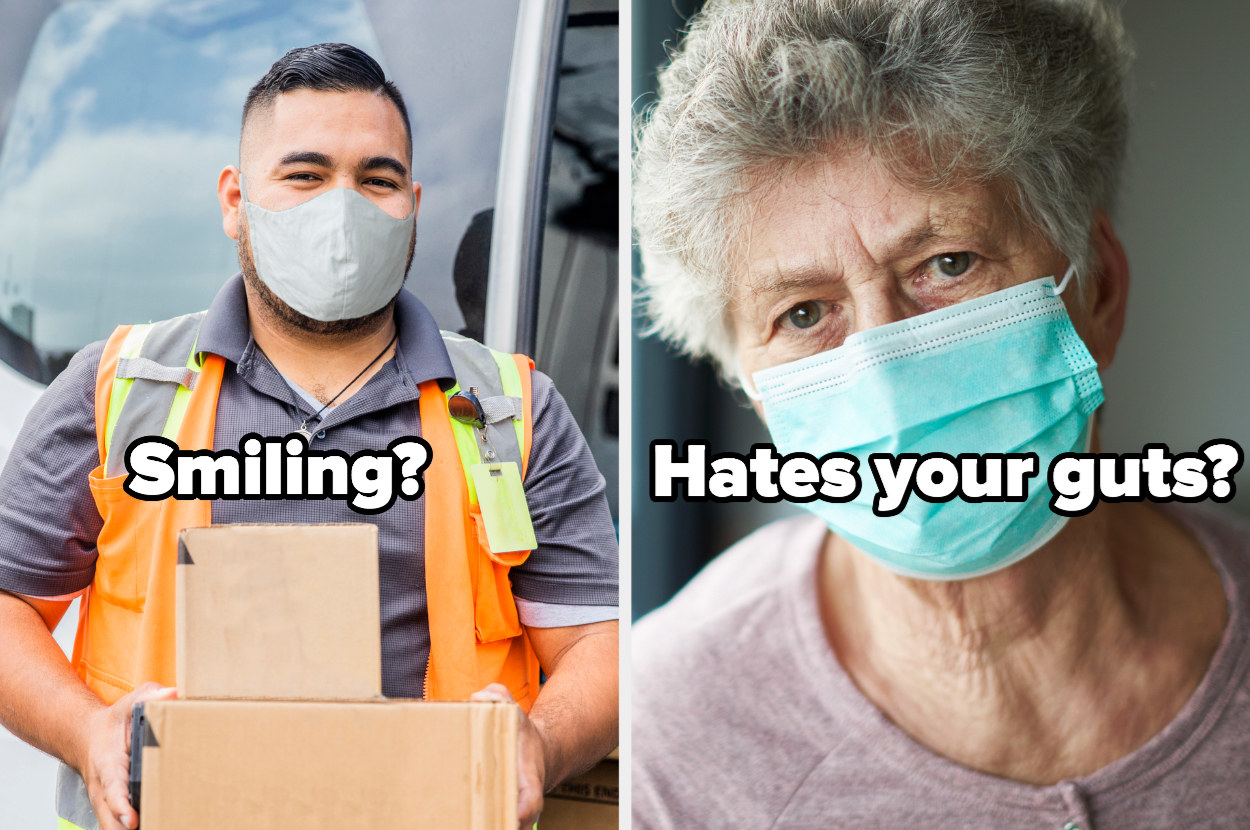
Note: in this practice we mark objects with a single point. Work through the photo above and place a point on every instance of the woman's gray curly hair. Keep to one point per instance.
(1029, 93)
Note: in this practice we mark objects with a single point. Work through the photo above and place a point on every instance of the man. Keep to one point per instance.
(315, 336)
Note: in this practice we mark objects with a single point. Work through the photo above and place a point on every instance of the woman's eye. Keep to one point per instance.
(803, 316)
(952, 265)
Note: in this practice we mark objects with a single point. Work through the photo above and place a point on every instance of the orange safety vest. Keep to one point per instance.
(126, 621)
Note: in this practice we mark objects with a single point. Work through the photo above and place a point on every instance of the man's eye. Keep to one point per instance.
(383, 183)
(803, 316)
(952, 265)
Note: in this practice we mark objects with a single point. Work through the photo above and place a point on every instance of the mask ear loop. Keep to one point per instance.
(747, 386)
(1067, 277)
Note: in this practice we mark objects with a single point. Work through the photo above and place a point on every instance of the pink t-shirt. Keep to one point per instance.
(743, 718)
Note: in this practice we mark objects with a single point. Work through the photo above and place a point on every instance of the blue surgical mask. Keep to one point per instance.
(1003, 373)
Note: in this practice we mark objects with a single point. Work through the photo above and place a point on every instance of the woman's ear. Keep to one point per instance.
(1106, 295)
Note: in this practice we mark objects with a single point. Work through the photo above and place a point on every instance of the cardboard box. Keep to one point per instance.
(279, 611)
(590, 801)
(272, 765)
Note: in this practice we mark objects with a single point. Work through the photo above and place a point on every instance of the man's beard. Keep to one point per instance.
(279, 309)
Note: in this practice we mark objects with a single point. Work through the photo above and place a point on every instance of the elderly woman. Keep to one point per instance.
(888, 220)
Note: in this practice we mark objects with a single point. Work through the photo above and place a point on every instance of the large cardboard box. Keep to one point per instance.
(590, 801)
(279, 612)
(271, 765)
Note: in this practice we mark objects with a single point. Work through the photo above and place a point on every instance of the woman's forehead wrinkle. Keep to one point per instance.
(798, 255)
(762, 210)
(810, 225)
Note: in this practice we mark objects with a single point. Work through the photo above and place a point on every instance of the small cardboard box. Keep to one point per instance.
(590, 801)
(271, 765)
(279, 612)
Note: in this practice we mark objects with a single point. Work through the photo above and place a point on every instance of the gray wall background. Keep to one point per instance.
(1180, 376)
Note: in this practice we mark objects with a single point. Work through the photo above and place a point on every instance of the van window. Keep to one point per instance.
(128, 109)
(577, 310)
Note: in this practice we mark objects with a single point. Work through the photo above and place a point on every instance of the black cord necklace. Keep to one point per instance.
(316, 416)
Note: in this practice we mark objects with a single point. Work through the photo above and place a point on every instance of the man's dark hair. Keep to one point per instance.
(325, 67)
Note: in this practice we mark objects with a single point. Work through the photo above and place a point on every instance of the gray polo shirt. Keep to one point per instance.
(49, 521)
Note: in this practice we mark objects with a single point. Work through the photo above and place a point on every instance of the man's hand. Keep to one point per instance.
(531, 762)
(106, 765)
(573, 723)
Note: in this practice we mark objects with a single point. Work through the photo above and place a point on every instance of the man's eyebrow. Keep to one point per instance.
(305, 157)
(386, 162)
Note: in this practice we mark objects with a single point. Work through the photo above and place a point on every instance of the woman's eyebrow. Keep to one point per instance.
(924, 234)
(793, 278)
(915, 239)
(962, 226)
(799, 276)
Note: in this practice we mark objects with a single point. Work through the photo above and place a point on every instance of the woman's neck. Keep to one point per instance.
(1048, 669)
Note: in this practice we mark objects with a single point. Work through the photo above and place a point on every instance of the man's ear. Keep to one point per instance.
(416, 199)
(1107, 296)
(229, 196)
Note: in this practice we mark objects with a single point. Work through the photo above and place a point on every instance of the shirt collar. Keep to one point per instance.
(419, 353)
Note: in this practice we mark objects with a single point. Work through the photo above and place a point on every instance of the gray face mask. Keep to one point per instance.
(337, 256)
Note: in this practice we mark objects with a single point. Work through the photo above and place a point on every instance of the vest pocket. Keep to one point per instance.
(108, 687)
(122, 564)
(494, 609)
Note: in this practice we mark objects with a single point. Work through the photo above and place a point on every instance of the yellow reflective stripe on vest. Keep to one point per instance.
(510, 377)
(181, 398)
(466, 447)
(177, 412)
(66, 824)
(466, 441)
(121, 386)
